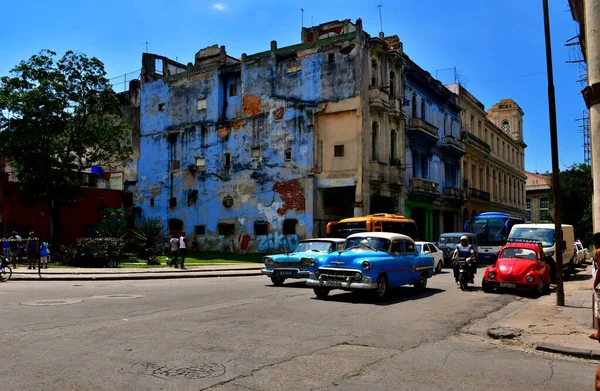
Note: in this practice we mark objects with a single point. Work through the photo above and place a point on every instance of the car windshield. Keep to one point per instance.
(419, 248)
(379, 244)
(449, 239)
(523, 253)
(317, 246)
(544, 235)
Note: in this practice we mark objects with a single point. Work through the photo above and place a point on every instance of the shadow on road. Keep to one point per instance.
(395, 296)
(295, 284)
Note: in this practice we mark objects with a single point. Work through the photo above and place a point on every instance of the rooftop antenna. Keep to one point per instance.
(302, 9)
(312, 23)
(380, 6)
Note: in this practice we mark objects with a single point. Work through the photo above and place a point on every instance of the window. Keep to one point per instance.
(506, 126)
(225, 229)
(287, 154)
(203, 136)
(414, 106)
(256, 153)
(161, 107)
(393, 145)
(330, 58)
(544, 215)
(338, 150)
(158, 66)
(423, 110)
(479, 128)
(175, 165)
(289, 226)
(172, 202)
(544, 203)
(227, 160)
(527, 203)
(373, 73)
(261, 227)
(392, 81)
(445, 124)
(374, 135)
(201, 163)
(396, 248)
(200, 230)
(201, 104)
(233, 89)
(192, 197)
(528, 216)
(472, 129)
(152, 202)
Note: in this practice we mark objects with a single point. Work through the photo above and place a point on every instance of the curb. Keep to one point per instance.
(152, 276)
(574, 352)
(133, 271)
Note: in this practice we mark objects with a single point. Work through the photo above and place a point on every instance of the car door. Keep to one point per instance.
(437, 254)
(407, 275)
(395, 264)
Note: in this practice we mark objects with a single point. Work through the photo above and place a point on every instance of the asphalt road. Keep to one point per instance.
(244, 334)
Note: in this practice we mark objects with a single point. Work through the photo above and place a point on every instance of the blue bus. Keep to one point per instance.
(492, 229)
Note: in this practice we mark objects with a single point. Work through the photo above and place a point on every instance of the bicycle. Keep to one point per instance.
(5, 270)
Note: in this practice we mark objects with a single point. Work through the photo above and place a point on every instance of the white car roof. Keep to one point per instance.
(423, 242)
(336, 240)
(383, 235)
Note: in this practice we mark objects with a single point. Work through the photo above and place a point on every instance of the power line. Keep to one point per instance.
(524, 76)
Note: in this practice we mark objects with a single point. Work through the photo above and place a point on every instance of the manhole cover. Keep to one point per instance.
(118, 296)
(504, 332)
(172, 372)
(52, 302)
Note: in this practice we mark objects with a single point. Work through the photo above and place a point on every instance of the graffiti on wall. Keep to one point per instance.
(273, 242)
(277, 241)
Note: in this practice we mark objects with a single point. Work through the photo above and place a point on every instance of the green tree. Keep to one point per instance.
(576, 189)
(58, 118)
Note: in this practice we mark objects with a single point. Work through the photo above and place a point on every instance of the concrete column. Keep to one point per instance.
(592, 35)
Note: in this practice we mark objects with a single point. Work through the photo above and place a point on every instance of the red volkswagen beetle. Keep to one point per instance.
(521, 266)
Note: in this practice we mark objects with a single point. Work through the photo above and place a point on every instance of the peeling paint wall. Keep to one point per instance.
(226, 150)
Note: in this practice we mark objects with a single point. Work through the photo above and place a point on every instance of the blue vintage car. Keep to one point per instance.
(297, 264)
(374, 261)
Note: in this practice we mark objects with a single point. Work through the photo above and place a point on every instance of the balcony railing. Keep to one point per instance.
(471, 139)
(452, 143)
(452, 192)
(422, 187)
(396, 108)
(379, 98)
(479, 194)
(420, 126)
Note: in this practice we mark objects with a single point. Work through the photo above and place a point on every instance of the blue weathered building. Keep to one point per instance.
(434, 149)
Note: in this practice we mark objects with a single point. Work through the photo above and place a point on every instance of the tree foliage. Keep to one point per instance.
(576, 189)
(58, 118)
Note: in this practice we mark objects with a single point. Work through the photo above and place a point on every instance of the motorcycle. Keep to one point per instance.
(465, 273)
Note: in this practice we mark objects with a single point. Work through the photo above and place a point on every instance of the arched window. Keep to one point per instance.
(414, 106)
(374, 141)
(506, 126)
(392, 81)
(423, 109)
(374, 73)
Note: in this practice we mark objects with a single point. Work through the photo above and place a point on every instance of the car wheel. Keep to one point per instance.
(382, 287)
(486, 287)
(321, 293)
(547, 288)
(572, 267)
(277, 281)
(439, 266)
(422, 283)
(539, 289)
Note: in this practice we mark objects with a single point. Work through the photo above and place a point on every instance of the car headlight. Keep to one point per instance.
(317, 273)
(312, 262)
(550, 253)
(530, 279)
(358, 276)
(366, 265)
(491, 275)
(305, 261)
(268, 261)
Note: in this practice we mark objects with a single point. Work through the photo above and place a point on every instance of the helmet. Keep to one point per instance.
(464, 237)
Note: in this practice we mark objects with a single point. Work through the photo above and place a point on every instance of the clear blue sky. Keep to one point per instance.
(497, 45)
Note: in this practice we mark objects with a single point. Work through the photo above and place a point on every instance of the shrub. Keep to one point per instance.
(95, 252)
(112, 225)
(150, 236)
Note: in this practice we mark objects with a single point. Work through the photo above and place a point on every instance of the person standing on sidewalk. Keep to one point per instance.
(596, 279)
(44, 254)
(183, 248)
(174, 242)
(32, 247)
(13, 247)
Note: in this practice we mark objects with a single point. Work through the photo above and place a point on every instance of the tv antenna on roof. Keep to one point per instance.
(302, 10)
(380, 6)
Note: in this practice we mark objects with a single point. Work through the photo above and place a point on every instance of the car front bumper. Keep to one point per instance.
(511, 285)
(285, 272)
(348, 285)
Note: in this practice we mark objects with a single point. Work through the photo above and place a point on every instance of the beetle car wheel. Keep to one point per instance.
(439, 266)
(541, 287)
(382, 287)
(321, 293)
(277, 280)
(422, 283)
(486, 287)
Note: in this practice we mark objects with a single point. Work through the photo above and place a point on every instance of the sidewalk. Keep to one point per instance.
(541, 325)
(78, 274)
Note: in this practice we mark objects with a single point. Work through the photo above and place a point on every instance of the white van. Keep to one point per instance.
(545, 234)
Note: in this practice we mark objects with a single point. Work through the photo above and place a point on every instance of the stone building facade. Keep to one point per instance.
(537, 202)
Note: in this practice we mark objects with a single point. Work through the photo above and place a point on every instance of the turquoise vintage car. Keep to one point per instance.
(297, 264)
(373, 261)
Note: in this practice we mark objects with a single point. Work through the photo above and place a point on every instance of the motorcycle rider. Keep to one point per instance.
(464, 250)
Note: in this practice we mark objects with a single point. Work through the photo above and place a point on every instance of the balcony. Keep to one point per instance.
(479, 194)
(379, 99)
(476, 142)
(453, 147)
(422, 131)
(378, 171)
(396, 175)
(396, 108)
(453, 196)
(422, 189)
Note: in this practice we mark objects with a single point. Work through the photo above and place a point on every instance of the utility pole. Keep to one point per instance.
(558, 237)
(302, 11)
(380, 18)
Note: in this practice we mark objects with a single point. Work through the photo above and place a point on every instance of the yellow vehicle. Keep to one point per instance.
(380, 222)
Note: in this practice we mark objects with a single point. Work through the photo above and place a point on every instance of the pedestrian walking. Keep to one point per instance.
(21, 250)
(174, 242)
(596, 286)
(5, 248)
(44, 254)
(183, 248)
(13, 248)
(32, 247)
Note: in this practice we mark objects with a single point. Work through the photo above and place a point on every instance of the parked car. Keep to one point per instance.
(579, 253)
(428, 248)
(296, 264)
(371, 261)
(520, 266)
(450, 240)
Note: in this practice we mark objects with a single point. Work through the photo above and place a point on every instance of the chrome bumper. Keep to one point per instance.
(367, 284)
(296, 273)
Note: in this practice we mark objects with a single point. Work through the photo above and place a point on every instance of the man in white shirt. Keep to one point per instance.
(174, 242)
(183, 248)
